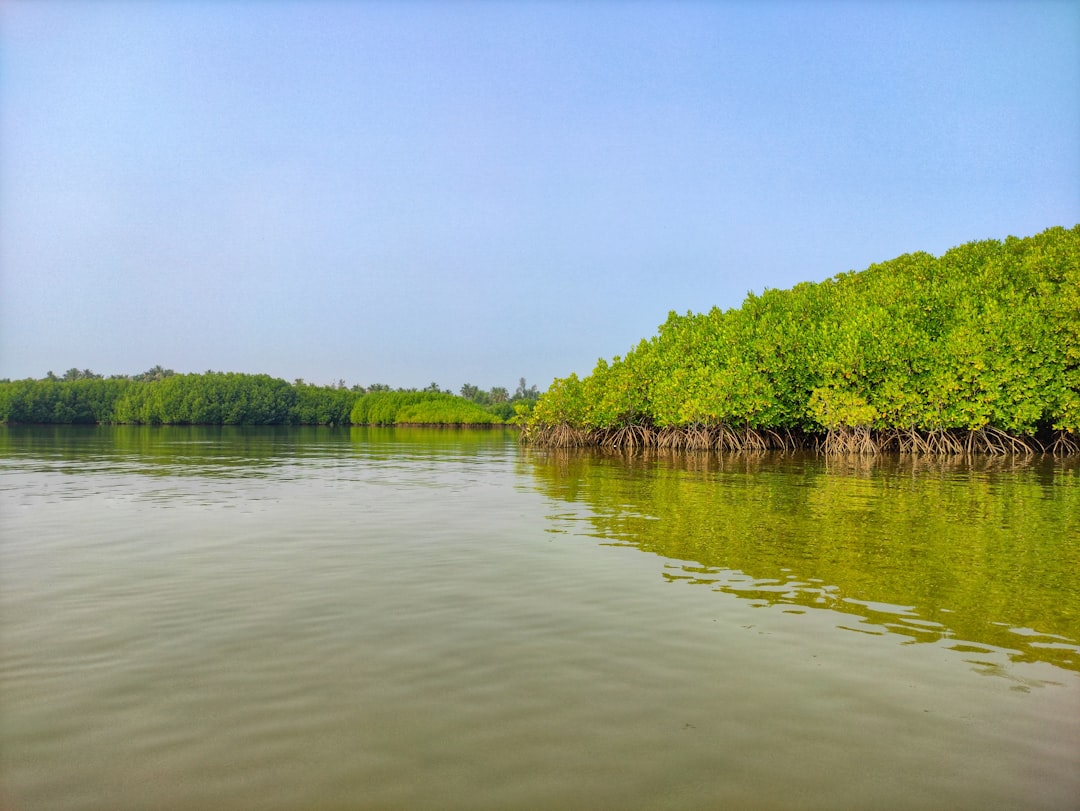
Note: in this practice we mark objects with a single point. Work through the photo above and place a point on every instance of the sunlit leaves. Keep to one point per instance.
(985, 337)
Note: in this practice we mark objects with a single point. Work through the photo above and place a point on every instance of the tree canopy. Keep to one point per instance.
(978, 349)
(160, 396)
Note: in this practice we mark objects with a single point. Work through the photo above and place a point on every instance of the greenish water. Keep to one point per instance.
(409, 618)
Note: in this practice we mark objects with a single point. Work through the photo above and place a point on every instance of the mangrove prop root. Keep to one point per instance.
(838, 441)
(850, 441)
(555, 436)
(1065, 443)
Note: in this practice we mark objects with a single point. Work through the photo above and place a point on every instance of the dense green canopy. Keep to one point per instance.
(976, 349)
(419, 408)
(219, 398)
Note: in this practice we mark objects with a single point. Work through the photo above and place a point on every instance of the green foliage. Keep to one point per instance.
(987, 336)
(80, 374)
(154, 373)
(322, 405)
(522, 412)
(446, 410)
(476, 394)
(564, 403)
(67, 401)
(381, 407)
(161, 397)
(497, 403)
(420, 407)
(213, 398)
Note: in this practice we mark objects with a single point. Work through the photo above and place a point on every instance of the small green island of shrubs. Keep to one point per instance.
(975, 351)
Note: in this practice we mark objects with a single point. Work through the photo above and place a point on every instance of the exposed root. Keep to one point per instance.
(626, 437)
(994, 442)
(850, 441)
(670, 438)
(555, 436)
(988, 441)
(840, 441)
(907, 441)
(753, 440)
(700, 438)
(1065, 443)
(943, 443)
(725, 438)
(782, 440)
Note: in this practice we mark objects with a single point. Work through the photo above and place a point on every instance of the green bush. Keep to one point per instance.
(985, 337)
(446, 410)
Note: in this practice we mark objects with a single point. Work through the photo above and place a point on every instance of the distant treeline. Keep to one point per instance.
(162, 397)
(974, 351)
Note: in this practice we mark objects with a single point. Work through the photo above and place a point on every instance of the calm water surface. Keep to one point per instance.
(319, 618)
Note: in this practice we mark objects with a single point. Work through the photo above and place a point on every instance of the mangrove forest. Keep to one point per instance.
(974, 351)
(162, 397)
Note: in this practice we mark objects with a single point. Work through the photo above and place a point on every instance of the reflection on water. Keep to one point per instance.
(193, 461)
(227, 618)
(228, 450)
(980, 555)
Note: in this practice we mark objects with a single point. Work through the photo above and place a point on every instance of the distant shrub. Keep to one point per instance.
(447, 410)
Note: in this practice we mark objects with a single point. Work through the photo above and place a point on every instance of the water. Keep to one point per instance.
(319, 618)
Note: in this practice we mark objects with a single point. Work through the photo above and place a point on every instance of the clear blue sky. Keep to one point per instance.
(407, 192)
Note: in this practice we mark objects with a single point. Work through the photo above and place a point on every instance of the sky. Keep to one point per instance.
(475, 192)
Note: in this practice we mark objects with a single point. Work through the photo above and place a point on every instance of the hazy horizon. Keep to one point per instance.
(407, 193)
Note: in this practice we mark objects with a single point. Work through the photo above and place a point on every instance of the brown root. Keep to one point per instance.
(839, 441)
(671, 438)
(995, 442)
(555, 436)
(626, 437)
(848, 440)
(1065, 443)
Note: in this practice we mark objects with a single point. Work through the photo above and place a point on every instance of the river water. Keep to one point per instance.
(216, 618)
